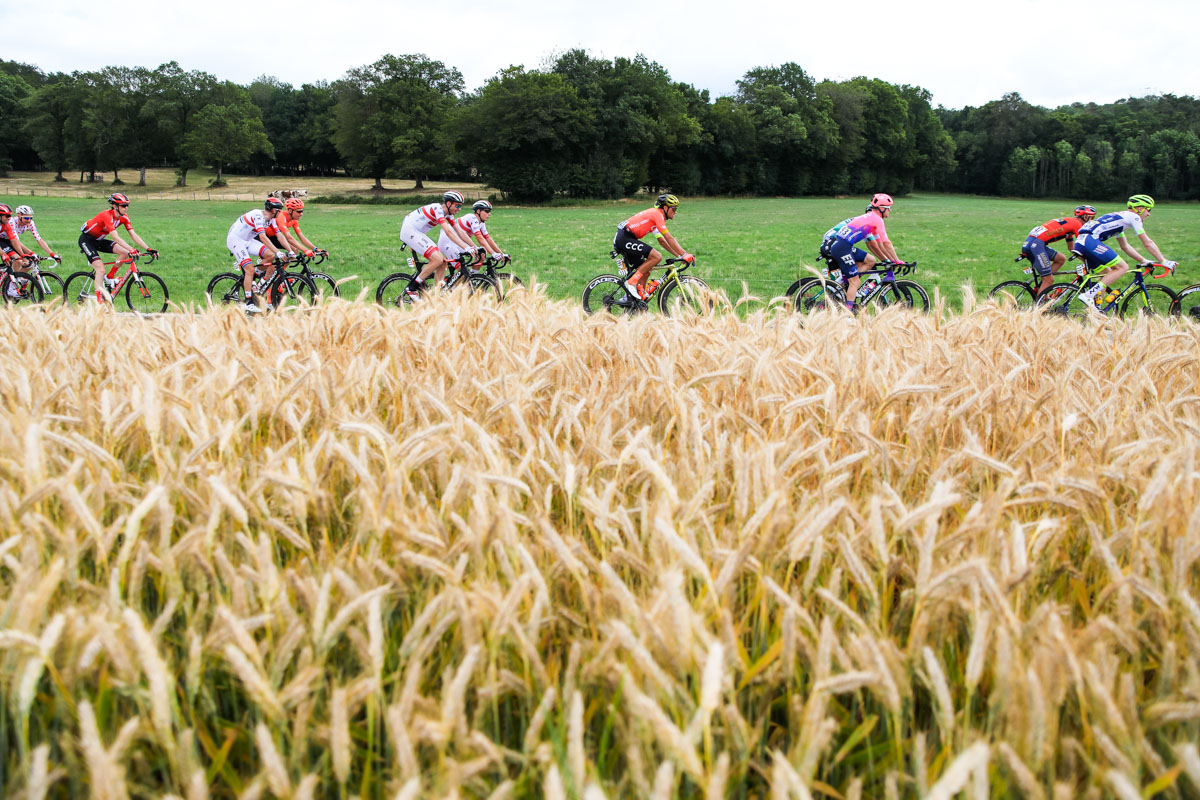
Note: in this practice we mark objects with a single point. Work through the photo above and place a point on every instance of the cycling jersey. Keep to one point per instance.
(832, 232)
(864, 227)
(426, 218)
(105, 223)
(248, 226)
(8, 231)
(1056, 229)
(471, 225)
(26, 227)
(1106, 226)
(652, 220)
(281, 221)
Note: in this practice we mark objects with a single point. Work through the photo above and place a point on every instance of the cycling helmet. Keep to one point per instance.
(482, 205)
(1085, 212)
(293, 204)
(24, 211)
(452, 197)
(5, 211)
(116, 198)
(881, 201)
(667, 201)
(1141, 201)
(273, 204)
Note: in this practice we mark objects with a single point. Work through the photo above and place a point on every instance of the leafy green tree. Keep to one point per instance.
(46, 113)
(227, 133)
(13, 90)
(1020, 173)
(178, 97)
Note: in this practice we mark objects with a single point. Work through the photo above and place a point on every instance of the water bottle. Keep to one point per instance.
(622, 270)
(411, 263)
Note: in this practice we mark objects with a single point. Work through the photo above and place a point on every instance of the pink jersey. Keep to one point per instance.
(864, 226)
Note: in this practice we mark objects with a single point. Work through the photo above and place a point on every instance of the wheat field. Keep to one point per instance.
(472, 551)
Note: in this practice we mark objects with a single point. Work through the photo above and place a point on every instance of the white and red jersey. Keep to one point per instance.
(26, 227)
(426, 218)
(471, 225)
(249, 225)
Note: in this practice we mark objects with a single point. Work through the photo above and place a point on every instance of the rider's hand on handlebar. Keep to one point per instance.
(689, 258)
(309, 253)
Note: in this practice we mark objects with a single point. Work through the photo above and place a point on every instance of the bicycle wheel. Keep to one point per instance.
(605, 293)
(293, 289)
(1151, 301)
(1062, 299)
(909, 294)
(483, 284)
(52, 289)
(391, 291)
(687, 296)
(1187, 303)
(815, 294)
(80, 288)
(28, 289)
(225, 289)
(1019, 293)
(325, 284)
(508, 283)
(795, 287)
(146, 293)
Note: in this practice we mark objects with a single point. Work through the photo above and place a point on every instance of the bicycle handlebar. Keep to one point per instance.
(1147, 267)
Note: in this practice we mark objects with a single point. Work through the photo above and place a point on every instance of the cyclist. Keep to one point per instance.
(93, 240)
(1046, 259)
(11, 248)
(247, 240)
(831, 234)
(640, 256)
(24, 224)
(868, 228)
(289, 218)
(473, 225)
(418, 224)
(1091, 247)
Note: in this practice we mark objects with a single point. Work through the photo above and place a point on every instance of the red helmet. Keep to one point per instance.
(5, 211)
(116, 198)
(294, 204)
(1085, 212)
(881, 201)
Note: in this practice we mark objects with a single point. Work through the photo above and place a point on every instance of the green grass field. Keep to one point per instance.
(761, 243)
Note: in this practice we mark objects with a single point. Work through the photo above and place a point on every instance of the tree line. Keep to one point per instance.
(586, 127)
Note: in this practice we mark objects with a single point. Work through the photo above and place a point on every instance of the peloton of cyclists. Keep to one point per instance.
(414, 232)
(1091, 247)
(641, 257)
(247, 240)
(472, 226)
(94, 240)
(1046, 260)
(868, 228)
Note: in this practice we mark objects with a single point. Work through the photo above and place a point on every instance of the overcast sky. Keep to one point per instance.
(965, 53)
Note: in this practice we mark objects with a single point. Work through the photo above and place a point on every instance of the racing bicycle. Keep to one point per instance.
(145, 292)
(50, 284)
(392, 289)
(19, 286)
(1136, 296)
(283, 288)
(880, 288)
(676, 294)
(1024, 292)
(323, 281)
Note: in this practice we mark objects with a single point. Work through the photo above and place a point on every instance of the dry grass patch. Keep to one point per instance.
(480, 552)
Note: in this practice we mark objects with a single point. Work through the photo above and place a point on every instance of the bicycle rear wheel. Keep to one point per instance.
(291, 289)
(815, 294)
(80, 288)
(225, 289)
(687, 296)
(605, 293)
(146, 293)
(1151, 301)
(392, 291)
(28, 289)
(1020, 293)
(1062, 299)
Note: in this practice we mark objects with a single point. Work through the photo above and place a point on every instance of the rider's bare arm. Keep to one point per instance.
(1152, 247)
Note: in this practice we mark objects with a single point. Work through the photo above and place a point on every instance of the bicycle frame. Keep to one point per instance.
(1137, 284)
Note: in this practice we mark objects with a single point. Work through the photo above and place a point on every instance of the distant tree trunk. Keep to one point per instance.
(420, 183)
(142, 177)
(59, 177)
(117, 178)
(81, 172)
(378, 183)
(183, 171)
(220, 166)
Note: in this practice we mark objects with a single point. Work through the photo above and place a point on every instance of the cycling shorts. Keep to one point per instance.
(1041, 256)
(1095, 253)
(244, 251)
(91, 247)
(847, 257)
(632, 249)
(6, 251)
(418, 241)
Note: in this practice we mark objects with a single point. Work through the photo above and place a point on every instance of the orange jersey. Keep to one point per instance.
(282, 221)
(652, 220)
(1063, 228)
(105, 223)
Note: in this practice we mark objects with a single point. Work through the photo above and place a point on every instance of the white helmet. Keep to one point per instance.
(24, 211)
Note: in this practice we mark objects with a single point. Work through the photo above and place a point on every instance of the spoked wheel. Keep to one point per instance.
(687, 296)
(1019, 293)
(291, 289)
(815, 294)
(908, 294)
(606, 294)
(146, 293)
(1151, 301)
(80, 288)
(225, 289)
(391, 291)
(28, 290)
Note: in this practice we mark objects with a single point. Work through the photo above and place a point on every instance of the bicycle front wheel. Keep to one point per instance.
(28, 290)
(146, 293)
(605, 293)
(79, 288)
(52, 289)
(392, 291)
(482, 284)
(687, 296)
(293, 289)
(1187, 303)
(325, 284)
(508, 283)
(1151, 301)
(908, 294)
(1019, 293)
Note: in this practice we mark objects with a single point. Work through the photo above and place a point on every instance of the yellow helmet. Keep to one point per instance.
(667, 201)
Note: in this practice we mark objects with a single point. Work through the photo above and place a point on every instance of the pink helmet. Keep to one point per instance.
(881, 200)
